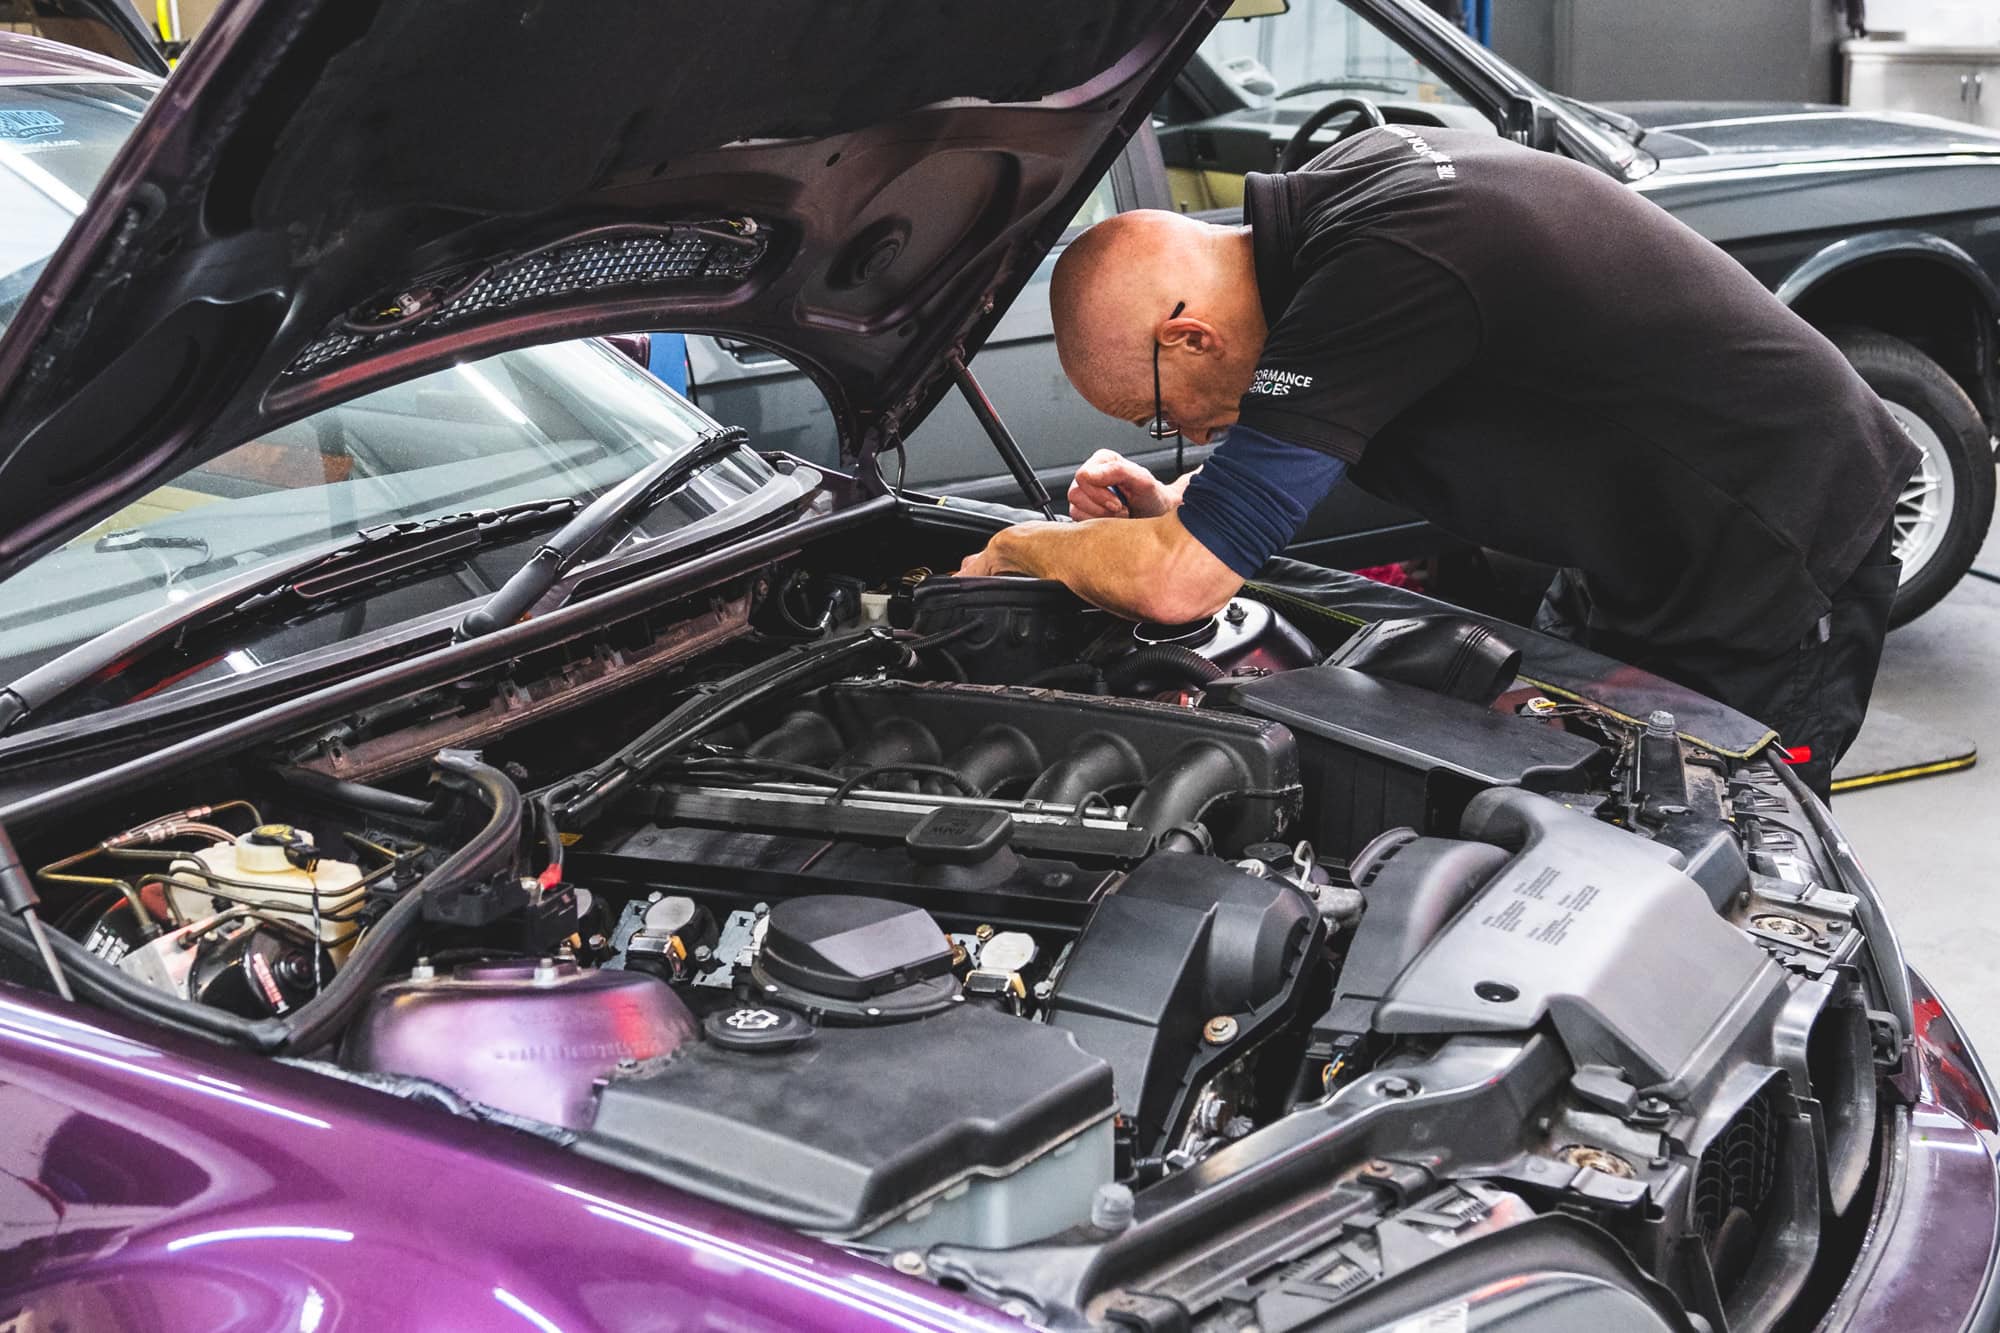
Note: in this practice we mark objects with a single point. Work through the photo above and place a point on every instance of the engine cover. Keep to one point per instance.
(854, 1129)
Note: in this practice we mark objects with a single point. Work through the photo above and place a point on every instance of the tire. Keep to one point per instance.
(1946, 507)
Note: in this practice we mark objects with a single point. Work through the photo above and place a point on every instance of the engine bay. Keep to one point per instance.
(966, 926)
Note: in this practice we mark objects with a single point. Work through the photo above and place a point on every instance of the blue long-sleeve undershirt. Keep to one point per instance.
(1253, 494)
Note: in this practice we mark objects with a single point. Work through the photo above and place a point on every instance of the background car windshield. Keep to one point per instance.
(55, 142)
(569, 419)
(1258, 80)
(1320, 49)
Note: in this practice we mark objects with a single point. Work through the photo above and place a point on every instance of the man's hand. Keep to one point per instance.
(995, 558)
(1145, 496)
(1140, 568)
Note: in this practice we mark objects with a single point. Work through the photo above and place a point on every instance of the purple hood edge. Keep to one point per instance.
(178, 1185)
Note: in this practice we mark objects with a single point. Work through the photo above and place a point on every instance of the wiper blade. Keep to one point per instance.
(581, 537)
(366, 558)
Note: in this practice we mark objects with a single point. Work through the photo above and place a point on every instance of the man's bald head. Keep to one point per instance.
(1113, 292)
(1109, 296)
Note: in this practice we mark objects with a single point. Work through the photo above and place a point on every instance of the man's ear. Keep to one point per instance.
(1191, 334)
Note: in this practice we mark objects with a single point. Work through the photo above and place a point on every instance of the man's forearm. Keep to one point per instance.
(1140, 568)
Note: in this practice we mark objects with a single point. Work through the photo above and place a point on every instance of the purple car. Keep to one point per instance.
(486, 847)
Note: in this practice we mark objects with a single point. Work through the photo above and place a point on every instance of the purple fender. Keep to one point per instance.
(153, 1182)
(1928, 1259)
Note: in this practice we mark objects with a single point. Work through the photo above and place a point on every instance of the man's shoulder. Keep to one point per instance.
(1375, 180)
(1407, 152)
(1406, 165)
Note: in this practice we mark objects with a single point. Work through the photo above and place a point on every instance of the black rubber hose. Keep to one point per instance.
(490, 851)
(358, 795)
(320, 1017)
(1157, 661)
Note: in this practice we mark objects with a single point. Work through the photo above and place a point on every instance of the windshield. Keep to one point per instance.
(1320, 49)
(1285, 66)
(566, 420)
(55, 142)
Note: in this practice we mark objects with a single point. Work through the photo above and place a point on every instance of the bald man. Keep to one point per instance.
(1525, 352)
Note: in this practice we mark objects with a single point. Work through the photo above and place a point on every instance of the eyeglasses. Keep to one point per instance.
(1159, 427)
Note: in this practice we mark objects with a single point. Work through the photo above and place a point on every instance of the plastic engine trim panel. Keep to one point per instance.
(925, 1105)
(1592, 926)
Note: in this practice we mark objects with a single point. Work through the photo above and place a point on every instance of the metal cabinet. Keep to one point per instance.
(1958, 82)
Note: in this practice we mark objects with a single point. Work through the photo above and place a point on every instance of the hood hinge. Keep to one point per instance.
(876, 440)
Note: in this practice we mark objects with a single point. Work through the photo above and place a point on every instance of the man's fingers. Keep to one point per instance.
(1094, 502)
(1112, 471)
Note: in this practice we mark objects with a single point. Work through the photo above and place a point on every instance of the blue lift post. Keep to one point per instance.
(1479, 21)
(668, 360)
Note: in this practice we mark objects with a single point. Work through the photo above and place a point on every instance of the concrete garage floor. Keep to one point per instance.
(1932, 845)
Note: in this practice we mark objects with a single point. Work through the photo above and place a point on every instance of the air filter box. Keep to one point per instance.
(1380, 754)
(972, 1126)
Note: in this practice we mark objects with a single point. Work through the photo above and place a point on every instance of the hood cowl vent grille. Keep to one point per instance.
(608, 259)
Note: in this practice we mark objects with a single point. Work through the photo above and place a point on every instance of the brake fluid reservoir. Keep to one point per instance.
(267, 877)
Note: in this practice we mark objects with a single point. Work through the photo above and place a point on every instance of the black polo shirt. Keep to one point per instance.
(1539, 360)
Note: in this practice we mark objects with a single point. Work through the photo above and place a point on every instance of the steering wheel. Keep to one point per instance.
(1300, 149)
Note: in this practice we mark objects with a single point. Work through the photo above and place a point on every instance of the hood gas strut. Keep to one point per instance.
(996, 431)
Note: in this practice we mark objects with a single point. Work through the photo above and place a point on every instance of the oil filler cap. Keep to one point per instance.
(757, 1027)
(959, 835)
(845, 959)
(851, 948)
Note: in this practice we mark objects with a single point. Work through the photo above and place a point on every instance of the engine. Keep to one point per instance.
(1021, 893)
(940, 921)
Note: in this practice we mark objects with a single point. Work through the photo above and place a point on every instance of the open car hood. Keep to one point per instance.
(330, 196)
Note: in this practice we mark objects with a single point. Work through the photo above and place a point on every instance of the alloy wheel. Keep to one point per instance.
(1924, 506)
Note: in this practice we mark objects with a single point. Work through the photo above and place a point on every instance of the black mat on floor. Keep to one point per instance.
(1892, 748)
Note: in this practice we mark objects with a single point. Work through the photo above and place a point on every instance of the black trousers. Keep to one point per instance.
(1813, 694)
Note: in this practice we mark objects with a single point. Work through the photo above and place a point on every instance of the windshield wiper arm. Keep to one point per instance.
(367, 557)
(579, 538)
(1615, 121)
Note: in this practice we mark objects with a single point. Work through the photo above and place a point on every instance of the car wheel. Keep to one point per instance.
(1946, 506)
